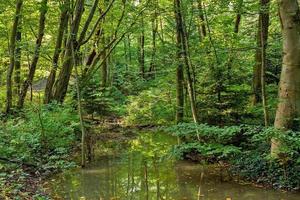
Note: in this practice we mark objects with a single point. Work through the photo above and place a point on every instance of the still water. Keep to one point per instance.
(140, 169)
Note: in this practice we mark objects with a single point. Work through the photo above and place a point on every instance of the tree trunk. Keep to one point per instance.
(288, 109)
(154, 33)
(17, 73)
(264, 37)
(180, 27)
(61, 85)
(202, 28)
(262, 31)
(238, 16)
(141, 49)
(36, 56)
(104, 69)
(179, 89)
(12, 47)
(58, 49)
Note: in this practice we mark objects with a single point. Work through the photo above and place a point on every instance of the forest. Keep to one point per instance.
(150, 99)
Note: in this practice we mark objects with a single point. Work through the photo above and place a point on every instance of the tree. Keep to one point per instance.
(264, 23)
(58, 49)
(36, 55)
(10, 70)
(288, 109)
(184, 55)
(262, 38)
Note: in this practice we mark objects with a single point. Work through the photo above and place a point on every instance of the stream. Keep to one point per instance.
(141, 168)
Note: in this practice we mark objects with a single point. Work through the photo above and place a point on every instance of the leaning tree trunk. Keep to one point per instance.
(36, 56)
(288, 110)
(61, 85)
(58, 49)
(10, 70)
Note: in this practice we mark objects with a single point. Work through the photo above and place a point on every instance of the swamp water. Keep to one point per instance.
(140, 169)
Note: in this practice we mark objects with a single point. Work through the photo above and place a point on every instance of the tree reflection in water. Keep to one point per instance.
(142, 170)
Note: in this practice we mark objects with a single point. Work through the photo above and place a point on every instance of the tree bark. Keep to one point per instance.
(12, 47)
(263, 30)
(288, 109)
(180, 28)
(17, 73)
(61, 85)
(264, 37)
(58, 49)
(36, 56)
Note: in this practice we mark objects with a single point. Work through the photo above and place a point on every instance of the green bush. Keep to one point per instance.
(246, 149)
(44, 133)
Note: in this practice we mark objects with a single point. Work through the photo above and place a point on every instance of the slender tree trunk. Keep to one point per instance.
(180, 27)
(141, 49)
(12, 47)
(263, 30)
(154, 33)
(264, 36)
(58, 49)
(179, 88)
(104, 69)
(17, 73)
(180, 77)
(202, 28)
(288, 110)
(80, 112)
(36, 56)
(238, 16)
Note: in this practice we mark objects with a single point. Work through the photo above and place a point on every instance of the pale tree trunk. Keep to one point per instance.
(36, 55)
(12, 47)
(58, 49)
(288, 109)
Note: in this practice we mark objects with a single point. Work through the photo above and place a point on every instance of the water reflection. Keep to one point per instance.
(143, 171)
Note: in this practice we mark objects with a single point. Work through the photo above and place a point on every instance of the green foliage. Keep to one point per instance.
(256, 167)
(247, 150)
(206, 133)
(45, 135)
(151, 107)
(206, 152)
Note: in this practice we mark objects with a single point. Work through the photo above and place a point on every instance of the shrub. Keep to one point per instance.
(44, 132)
